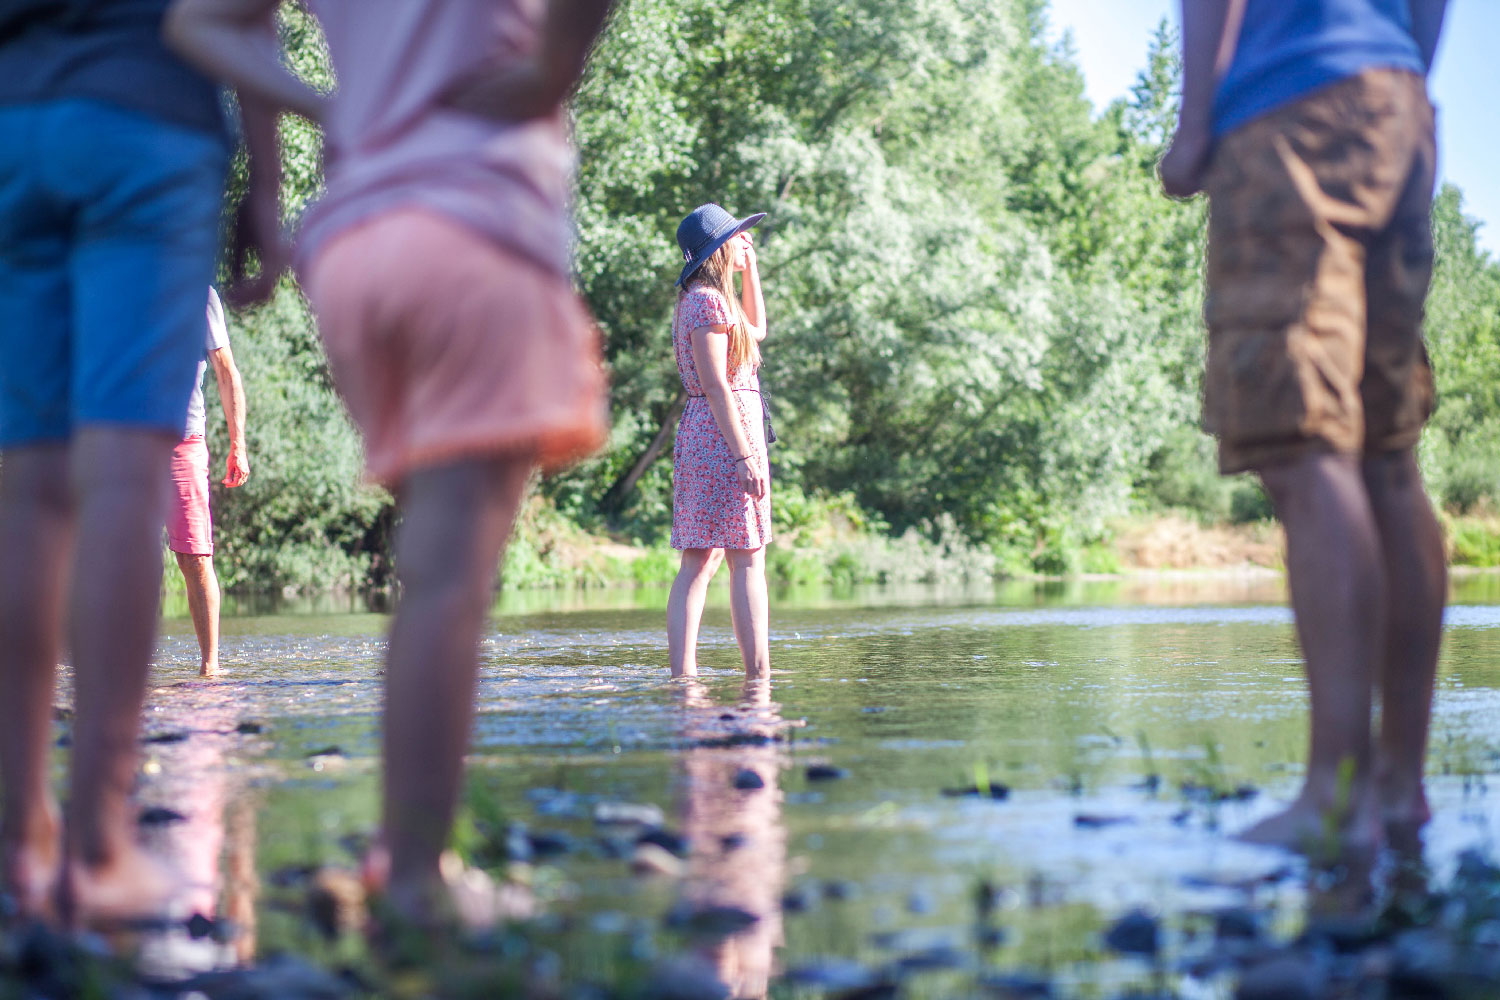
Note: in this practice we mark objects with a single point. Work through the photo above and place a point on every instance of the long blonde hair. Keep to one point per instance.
(717, 273)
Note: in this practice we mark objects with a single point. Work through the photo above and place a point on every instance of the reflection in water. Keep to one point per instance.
(738, 859)
(201, 813)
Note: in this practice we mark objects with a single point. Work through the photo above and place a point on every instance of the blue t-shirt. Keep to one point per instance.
(1288, 48)
(106, 50)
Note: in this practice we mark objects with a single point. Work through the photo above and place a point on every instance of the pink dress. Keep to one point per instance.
(709, 508)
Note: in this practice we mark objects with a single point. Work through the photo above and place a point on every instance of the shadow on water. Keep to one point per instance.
(1108, 733)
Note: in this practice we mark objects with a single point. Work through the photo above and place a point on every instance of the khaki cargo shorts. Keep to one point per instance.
(1319, 257)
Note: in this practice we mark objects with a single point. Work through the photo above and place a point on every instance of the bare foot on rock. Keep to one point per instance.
(135, 890)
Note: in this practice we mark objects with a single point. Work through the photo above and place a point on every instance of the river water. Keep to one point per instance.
(1135, 723)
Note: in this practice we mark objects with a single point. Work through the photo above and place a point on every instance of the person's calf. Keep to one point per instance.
(1412, 546)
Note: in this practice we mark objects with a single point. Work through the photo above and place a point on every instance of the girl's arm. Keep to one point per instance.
(235, 41)
(750, 296)
(711, 359)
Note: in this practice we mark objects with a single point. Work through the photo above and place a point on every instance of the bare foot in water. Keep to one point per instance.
(1403, 809)
(457, 894)
(134, 890)
(1320, 830)
(30, 865)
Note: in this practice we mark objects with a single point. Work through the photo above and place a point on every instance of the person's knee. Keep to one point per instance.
(746, 560)
(701, 563)
(36, 479)
(195, 568)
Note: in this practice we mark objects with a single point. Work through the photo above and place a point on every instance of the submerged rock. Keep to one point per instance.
(1017, 986)
(825, 772)
(747, 780)
(686, 978)
(1136, 933)
(994, 790)
(1091, 821)
(667, 840)
(650, 859)
(250, 728)
(710, 921)
(1288, 976)
(833, 974)
(176, 736)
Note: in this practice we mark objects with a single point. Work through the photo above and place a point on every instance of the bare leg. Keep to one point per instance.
(455, 521)
(202, 585)
(1417, 582)
(120, 481)
(685, 608)
(1337, 580)
(36, 530)
(750, 606)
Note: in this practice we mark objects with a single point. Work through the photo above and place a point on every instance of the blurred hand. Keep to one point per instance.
(236, 468)
(257, 232)
(1185, 163)
(751, 480)
(520, 92)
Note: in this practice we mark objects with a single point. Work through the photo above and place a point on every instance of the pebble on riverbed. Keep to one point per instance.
(825, 772)
(747, 780)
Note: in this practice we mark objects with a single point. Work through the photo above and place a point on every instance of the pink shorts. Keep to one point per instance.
(445, 345)
(190, 529)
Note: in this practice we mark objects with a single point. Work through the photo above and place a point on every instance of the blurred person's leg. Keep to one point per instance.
(750, 607)
(35, 504)
(1337, 581)
(685, 607)
(455, 522)
(146, 198)
(1416, 585)
(35, 536)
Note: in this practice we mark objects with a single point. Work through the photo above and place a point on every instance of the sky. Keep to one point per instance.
(1111, 37)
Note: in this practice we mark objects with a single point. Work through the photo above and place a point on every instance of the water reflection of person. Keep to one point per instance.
(737, 835)
(194, 780)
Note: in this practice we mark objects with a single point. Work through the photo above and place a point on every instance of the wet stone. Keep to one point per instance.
(839, 890)
(1090, 821)
(249, 728)
(994, 790)
(732, 842)
(825, 772)
(833, 974)
(159, 816)
(710, 921)
(1290, 976)
(686, 978)
(1136, 933)
(328, 751)
(1017, 986)
(1236, 924)
(667, 840)
(549, 844)
(746, 780)
(628, 814)
(649, 859)
(199, 927)
(167, 737)
(799, 899)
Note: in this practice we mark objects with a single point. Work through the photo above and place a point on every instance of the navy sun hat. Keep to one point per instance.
(707, 228)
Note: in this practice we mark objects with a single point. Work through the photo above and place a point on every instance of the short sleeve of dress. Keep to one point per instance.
(706, 307)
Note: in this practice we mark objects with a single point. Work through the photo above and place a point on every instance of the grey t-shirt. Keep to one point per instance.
(218, 336)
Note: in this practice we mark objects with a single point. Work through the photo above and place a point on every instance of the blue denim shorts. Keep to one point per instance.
(109, 228)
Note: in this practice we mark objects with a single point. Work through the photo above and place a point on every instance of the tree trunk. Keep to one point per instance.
(615, 497)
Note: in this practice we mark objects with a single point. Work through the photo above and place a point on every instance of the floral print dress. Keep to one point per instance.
(710, 510)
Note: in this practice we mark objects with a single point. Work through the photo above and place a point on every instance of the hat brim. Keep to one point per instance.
(729, 233)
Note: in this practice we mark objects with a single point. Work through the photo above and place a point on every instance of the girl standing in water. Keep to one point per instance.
(437, 264)
(721, 479)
